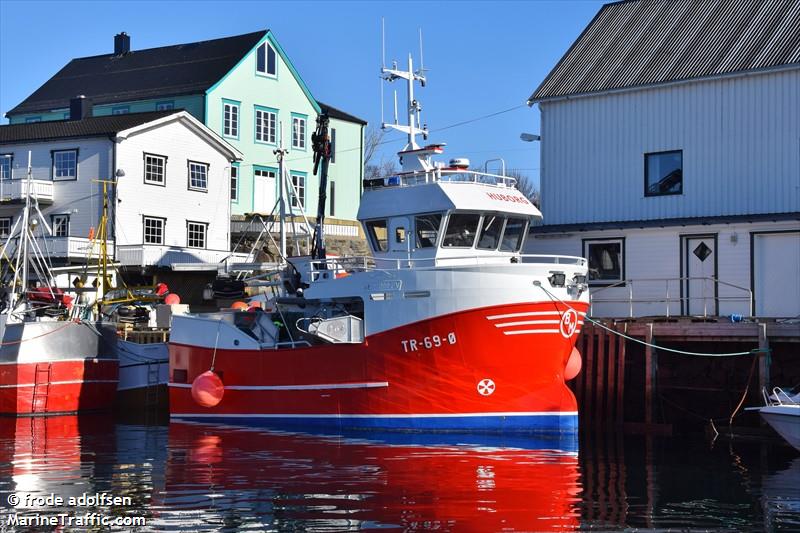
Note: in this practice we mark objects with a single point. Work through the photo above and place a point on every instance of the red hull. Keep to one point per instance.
(51, 387)
(520, 348)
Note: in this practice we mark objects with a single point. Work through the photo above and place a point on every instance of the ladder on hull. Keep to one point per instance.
(41, 387)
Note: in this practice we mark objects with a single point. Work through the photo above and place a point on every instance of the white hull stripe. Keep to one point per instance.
(531, 313)
(74, 382)
(54, 361)
(322, 386)
(344, 415)
(529, 331)
(526, 323)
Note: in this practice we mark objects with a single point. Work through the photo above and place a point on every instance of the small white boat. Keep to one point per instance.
(782, 412)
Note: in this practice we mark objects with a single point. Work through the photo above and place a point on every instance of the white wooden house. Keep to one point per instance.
(169, 204)
(670, 157)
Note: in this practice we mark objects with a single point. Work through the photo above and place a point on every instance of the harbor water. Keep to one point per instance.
(191, 477)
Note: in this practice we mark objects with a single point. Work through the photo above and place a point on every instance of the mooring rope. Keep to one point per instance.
(754, 351)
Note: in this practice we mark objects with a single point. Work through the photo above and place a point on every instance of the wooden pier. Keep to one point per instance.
(620, 383)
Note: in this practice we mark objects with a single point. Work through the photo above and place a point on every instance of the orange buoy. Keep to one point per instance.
(574, 364)
(239, 306)
(207, 389)
(172, 299)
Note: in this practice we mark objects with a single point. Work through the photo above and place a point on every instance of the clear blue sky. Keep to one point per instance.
(483, 57)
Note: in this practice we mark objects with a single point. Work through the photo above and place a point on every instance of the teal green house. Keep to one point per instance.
(246, 90)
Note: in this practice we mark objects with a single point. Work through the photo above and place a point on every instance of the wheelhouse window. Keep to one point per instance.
(65, 165)
(663, 173)
(196, 234)
(266, 120)
(5, 226)
(60, 224)
(266, 60)
(606, 260)
(234, 183)
(155, 169)
(298, 132)
(299, 192)
(514, 235)
(153, 230)
(6, 164)
(378, 235)
(198, 176)
(427, 228)
(491, 231)
(230, 119)
(462, 228)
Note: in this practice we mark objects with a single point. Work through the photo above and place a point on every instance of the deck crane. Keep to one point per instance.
(321, 143)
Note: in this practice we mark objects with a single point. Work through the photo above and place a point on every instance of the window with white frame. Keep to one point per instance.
(5, 226)
(65, 164)
(60, 225)
(155, 167)
(606, 260)
(154, 230)
(196, 234)
(230, 125)
(6, 164)
(164, 106)
(299, 132)
(263, 173)
(198, 176)
(266, 121)
(299, 192)
(234, 183)
(266, 60)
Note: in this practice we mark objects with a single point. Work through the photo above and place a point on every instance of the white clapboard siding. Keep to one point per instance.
(174, 201)
(740, 138)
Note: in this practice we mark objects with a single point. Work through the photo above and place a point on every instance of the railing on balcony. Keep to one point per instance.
(18, 189)
(166, 256)
(65, 247)
(669, 297)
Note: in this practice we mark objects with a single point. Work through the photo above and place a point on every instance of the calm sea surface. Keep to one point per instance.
(208, 478)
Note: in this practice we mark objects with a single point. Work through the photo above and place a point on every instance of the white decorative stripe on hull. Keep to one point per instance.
(529, 331)
(322, 386)
(74, 382)
(526, 323)
(531, 313)
(412, 415)
(56, 360)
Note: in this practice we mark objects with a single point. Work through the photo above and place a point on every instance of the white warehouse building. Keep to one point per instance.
(670, 158)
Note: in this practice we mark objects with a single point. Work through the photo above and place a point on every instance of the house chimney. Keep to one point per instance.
(122, 44)
(80, 107)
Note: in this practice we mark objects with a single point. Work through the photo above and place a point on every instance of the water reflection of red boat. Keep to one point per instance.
(271, 479)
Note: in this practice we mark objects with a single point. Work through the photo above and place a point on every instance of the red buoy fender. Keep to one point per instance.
(207, 389)
(574, 364)
(172, 299)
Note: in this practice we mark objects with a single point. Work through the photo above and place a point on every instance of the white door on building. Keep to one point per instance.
(263, 190)
(700, 270)
(776, 274)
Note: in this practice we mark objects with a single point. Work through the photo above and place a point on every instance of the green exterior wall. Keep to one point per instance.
(347, 170)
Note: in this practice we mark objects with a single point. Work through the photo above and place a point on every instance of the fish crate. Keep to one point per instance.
(144, 336)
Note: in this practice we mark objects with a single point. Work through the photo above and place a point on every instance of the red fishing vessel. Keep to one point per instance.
(447, 326)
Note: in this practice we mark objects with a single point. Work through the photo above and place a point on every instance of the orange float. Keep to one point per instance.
(207, 389)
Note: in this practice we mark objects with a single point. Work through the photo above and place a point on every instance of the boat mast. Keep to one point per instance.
(414, 108)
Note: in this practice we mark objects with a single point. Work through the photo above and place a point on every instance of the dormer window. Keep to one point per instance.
(266, 60)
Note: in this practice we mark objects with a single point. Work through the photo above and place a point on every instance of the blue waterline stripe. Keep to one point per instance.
(527, 423)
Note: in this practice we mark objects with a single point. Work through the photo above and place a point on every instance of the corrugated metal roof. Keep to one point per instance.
(88, 127)
(637, 43)
(152, 73)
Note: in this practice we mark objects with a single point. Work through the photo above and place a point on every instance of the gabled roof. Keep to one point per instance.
(153, 73)
(88, 127)
(637, 43)
(340, 115)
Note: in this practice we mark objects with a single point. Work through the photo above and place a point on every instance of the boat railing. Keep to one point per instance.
(344, 265)
(779, 397)
(410, 179)
(669, 292)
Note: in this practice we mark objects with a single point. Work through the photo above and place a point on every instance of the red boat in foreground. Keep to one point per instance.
(447, 327)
